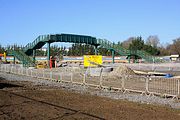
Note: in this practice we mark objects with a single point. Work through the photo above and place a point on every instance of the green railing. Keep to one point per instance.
(124, 52)
(21, 56)
(109, 45)
(42, 39)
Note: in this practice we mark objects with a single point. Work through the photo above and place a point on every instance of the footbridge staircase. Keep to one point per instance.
(21, 56)
(125, 52)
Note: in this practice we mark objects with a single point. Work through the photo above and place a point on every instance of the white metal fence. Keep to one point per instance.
(145, 85)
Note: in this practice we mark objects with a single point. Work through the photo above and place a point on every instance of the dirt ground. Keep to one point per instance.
(23, 100)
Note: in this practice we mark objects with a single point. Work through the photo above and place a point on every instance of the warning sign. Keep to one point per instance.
(92, 60)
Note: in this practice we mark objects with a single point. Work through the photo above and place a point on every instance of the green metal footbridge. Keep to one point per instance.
(30, 49)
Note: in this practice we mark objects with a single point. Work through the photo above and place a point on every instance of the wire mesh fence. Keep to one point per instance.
(164, 86)
(135, 83)
(112, 82)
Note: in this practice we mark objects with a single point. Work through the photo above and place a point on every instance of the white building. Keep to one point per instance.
(175, 58)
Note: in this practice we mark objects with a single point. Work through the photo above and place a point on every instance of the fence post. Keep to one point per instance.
(178, 88)
(31, 73)
(61, 78)
(84, 79)
(71, 77)
(123, 79)
(5, 68)
(37, 75)
(43, 73)
(18, 71)
(2, 68)
(100, 82)
(14, 69)
(27, 72)
(51, 75)
(11, 69)
(22, 71)
(147, 85)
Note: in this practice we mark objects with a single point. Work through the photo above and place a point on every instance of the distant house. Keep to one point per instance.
(175, 58)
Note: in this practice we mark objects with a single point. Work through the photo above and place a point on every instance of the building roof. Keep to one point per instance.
(175, 56)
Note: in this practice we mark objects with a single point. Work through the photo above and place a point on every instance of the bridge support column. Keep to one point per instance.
(34, 56)
(96, 50)
(136, 59)
(48, 54)
(113, 54)
(129, 58)
(14, 60)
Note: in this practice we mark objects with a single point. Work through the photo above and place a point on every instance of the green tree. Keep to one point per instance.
(2, 49)
(137, 44)
(151, 50)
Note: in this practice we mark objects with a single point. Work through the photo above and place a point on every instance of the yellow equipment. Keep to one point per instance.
(41, 65)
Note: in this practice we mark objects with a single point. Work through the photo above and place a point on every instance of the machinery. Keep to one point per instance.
(4, 57)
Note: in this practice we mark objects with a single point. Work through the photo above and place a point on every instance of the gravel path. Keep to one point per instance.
(104, 93)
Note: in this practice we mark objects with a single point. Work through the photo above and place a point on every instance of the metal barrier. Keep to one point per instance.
(148, 85)
(115, 82)
(135, 83)
(92, 81)
(164, 86)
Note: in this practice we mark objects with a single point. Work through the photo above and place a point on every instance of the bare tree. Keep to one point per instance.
(175, 47)
(164, 50)
(127, 42)
(153, 40)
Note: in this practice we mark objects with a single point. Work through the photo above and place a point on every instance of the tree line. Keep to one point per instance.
(151, 45)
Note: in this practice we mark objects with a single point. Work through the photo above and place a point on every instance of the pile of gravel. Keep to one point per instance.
(122, 70)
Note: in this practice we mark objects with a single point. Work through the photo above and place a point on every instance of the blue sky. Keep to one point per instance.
(22, 21)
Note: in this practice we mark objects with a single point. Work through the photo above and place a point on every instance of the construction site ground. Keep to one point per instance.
(27, 99)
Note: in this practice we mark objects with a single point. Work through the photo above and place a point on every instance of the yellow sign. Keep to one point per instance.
(92, 60)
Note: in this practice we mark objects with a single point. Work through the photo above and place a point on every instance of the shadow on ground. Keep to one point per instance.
(3, 84)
